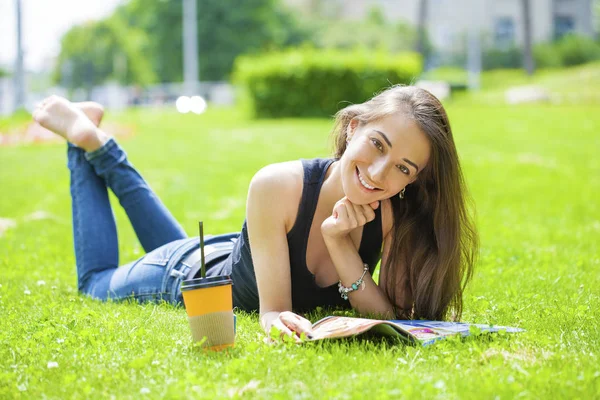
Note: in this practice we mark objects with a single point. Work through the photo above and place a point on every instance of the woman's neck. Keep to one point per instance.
(332, 190)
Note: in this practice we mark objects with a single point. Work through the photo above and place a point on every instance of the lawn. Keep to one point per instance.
(575, 85)
(535, 177)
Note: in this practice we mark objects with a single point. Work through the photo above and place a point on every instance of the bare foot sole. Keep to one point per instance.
(69, 121)
(94, 111)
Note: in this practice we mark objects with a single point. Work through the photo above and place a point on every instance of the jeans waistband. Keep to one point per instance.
(176, 269)
(184, 263)
(212, 255)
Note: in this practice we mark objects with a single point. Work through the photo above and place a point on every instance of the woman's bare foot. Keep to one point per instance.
(69, 121)
(94, 111)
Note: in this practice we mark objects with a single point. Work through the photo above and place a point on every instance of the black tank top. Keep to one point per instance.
(306, 294)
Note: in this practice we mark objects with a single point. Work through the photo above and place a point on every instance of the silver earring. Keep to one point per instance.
(401, 194)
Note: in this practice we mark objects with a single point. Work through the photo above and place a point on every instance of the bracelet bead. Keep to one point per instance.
(343, 290)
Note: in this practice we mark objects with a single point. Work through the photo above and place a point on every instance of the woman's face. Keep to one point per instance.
(382, 157)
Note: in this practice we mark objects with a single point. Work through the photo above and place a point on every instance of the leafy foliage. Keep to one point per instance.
(568, 51)
(96, 52)
(149, 34)
(546, 55)
(576, 50)
(309, 82)
(494, 58)
(330, 31)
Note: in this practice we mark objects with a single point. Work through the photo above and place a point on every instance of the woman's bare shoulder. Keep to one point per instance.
(284, 175)
(279, 187)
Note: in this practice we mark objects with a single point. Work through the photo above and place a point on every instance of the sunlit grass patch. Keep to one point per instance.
(533, 173)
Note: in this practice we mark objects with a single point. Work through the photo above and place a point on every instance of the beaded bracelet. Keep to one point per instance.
(359, 283)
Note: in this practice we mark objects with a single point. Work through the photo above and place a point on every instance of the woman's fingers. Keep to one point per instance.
(362, 213)
(358, 214)
(345, 213)
(296, 323)
(353, 220)
(368, 212)
(292, 325)
(347, 216)
(284, 331)
(340, 212)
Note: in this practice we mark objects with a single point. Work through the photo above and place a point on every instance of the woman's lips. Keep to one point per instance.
(360, 184)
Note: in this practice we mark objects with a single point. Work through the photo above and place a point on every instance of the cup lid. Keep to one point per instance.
(202, 283)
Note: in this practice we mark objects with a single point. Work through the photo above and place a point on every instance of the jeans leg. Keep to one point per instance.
(154, 225)
(94, 228)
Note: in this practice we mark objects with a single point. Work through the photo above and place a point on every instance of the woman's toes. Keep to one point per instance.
(94, 111)
(40, 115)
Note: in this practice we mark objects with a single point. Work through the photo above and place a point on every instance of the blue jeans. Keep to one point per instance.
(155, 276)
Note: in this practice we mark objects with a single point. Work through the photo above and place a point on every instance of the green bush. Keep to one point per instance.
(311, 82)
(494, 58)
(452, 75)
(546, 55)
(576, 50)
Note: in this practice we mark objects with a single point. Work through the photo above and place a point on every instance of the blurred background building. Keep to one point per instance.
(446, 19)
(136, 53)
(500, 22)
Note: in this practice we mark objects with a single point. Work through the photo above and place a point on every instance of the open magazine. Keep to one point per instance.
(414, 331)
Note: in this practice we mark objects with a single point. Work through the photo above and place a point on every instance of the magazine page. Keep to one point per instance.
(428, 332)
(420, 331)
(338, 327)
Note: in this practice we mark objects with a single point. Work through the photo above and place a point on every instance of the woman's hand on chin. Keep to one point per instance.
(347, 216)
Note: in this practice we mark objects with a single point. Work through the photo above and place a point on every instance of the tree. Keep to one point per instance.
(527, 46)
(226, 29)
(596, 12)
(374, 32)
(141, 42)
(421, 45)
(96, 52)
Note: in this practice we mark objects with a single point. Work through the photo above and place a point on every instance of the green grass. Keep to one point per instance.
(576, 85)
(14, 122)
(535, 177)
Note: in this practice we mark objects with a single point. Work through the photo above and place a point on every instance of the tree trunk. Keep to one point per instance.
(19, 77)
(422, 29)
(527, 52)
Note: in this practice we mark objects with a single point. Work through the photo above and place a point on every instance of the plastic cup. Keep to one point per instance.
(209, 306)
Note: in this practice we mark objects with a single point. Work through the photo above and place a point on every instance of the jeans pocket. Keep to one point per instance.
(163, 255)
(159, 257)
(155, 259)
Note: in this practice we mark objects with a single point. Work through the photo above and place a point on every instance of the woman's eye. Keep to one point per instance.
(403, 169)
(377, 144)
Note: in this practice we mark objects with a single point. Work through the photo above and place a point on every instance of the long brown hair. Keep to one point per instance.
(434, 240)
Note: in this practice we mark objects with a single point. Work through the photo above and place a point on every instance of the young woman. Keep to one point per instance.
(315, 229)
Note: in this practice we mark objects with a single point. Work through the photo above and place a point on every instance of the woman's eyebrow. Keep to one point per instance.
(384, 136)
(411, 163)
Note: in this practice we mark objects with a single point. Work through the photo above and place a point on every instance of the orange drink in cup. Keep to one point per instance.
(209, 306)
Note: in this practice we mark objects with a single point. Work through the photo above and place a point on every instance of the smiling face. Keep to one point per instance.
(382, 157)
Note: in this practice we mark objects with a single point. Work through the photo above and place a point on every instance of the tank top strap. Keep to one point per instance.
(314, 175)
(372, 241)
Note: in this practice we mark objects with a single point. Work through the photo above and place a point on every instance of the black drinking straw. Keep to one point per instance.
(203, 265)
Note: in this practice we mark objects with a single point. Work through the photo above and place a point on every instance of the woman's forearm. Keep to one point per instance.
(349, 266)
